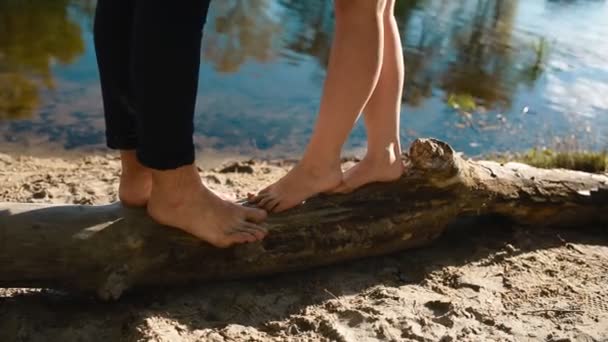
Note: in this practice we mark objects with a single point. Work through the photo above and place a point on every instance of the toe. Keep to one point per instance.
(284, 205)
(242, 236)
(260, 196)
(269, 202)
(255, 199)
(271, 207)
(258, 231)
(255, 215)
(267, 199)
(230, 239)
(248, 231)
(264, 194)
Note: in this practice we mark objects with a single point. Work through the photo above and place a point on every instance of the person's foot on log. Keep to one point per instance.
(135, 181)
(384, 165)
(305, 180)
(179, 199)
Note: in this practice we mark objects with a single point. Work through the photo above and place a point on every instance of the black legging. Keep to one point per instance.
(148, 52)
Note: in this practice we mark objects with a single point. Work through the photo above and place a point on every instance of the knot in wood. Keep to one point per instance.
(432, 155)
(116, 282)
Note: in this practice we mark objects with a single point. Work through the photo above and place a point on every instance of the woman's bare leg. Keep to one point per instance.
(382, 116)
(353, 72)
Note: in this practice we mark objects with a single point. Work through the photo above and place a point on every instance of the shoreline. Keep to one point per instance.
(207, 158)
(92, 177)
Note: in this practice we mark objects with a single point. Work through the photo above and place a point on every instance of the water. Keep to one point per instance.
(484, 75)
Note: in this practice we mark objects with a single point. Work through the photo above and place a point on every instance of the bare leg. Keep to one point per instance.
(382, 162)
(354, 69)
(179, 199)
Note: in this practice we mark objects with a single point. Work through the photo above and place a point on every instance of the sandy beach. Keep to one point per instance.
(502, 283)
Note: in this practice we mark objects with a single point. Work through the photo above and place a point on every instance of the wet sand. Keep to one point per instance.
(502, 283)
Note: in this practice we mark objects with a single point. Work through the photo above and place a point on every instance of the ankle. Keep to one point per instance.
(175, 186)
(130, 165)
(319, 167)
(136, 173)
(388, 153)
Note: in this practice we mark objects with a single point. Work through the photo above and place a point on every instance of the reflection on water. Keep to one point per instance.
(33, 36)
(242, 30)
(484, 75)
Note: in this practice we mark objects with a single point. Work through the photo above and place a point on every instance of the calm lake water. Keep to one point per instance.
(484, 75)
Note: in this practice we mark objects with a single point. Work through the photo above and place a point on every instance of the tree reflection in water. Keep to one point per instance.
(461, 47)
(464, 48)
(238, 31)
(34, 35)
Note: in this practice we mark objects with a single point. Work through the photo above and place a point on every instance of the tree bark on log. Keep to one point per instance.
(109, 249)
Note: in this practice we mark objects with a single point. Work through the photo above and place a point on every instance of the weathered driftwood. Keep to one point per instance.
(109, 249)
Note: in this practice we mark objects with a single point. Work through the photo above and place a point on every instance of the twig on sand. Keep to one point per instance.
(559, 311)
(331, 294)
(340, 302)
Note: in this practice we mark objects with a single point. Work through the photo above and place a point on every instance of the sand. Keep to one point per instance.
(502, 283)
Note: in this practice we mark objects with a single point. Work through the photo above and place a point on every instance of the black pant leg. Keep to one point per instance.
(165, 67)
(112, 36)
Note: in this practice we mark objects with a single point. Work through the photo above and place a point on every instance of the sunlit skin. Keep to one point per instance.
(178, 198)
(365, 75)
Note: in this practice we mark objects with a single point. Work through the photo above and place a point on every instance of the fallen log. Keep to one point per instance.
(109, 249)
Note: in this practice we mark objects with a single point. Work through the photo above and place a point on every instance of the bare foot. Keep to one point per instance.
(371, 170)
(135, 181)
(179, 199)
(301, 183)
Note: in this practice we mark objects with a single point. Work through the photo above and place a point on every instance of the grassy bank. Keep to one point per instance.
(596, 162)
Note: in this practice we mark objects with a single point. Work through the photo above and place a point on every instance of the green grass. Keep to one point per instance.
(595, 162)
